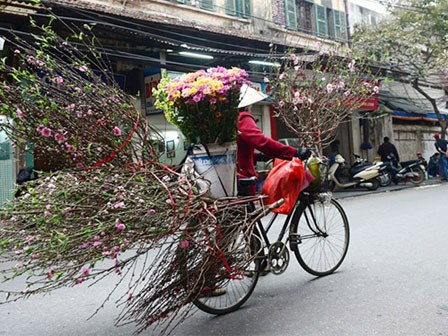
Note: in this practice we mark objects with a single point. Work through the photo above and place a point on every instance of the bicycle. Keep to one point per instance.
(318, 228)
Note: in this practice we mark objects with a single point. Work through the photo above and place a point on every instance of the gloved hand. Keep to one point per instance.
(303, 153)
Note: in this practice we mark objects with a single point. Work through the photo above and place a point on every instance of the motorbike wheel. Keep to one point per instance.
(419, 175)
(375, 184)
(385, 179)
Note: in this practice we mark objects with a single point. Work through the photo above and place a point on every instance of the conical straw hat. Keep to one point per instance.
(249, 96)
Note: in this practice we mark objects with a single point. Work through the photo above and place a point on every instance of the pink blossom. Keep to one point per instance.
(47, 213)
(119, 205)
(79, 280)
(50, 273)
(117, 131)
(48, 206)
(83, 246)
(72, 106)
(120, 226)
(83, 68)
(70, 147)
(376, 89)
(19, 113)
(59, 138)
(35, 256)
(351, 66)
(58, 79)
(184, 244)
(129, 296)
(79, 165)
(151, 212)
(46, 132)
(86, 271)
(281, 103)
(330, 88)
(97, 243)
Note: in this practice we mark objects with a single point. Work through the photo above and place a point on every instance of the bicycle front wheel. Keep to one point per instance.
(319, 235)
(234, 291)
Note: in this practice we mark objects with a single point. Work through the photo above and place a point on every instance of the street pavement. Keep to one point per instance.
(355, 192)
(392, 283)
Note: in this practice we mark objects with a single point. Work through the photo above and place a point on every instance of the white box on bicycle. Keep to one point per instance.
(217, 166)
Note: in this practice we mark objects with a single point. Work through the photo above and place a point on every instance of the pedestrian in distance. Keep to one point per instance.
(441, 147)
(250, 137)
(388, 152)
(433, 165)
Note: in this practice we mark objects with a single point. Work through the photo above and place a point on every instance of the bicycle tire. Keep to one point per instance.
(420, 175)
(238, 291)
(319, 229)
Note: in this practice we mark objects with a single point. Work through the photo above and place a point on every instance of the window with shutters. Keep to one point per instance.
(239, 8)
(314, 19)
(305, 16)
(291, 14)
(203, 4)
(207, 5)
(321, 21)
(340, 26)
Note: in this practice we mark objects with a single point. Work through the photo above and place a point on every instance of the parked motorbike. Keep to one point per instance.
(361, 174)
(412, 171)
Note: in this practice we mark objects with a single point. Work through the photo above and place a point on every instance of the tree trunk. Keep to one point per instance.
(442, 122)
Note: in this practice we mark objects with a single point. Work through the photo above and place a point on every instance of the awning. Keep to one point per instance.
(403, 115)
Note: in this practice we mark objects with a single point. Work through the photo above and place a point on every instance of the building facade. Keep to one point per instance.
(144, 37)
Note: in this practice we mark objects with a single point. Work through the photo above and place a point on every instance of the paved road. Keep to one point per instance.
(354, 192)
(393, 282)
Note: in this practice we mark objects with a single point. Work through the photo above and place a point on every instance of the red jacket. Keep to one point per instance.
(250, 138)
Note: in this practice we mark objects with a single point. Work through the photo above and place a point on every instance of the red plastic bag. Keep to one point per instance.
(286, 180)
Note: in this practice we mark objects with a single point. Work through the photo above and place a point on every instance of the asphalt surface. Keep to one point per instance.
(354, 192)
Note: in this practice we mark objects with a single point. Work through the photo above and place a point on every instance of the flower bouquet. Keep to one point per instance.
(203, 104)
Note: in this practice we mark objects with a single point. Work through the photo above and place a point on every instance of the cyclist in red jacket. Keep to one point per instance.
(250, 137)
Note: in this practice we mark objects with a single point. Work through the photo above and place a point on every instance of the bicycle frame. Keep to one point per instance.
(264, 229)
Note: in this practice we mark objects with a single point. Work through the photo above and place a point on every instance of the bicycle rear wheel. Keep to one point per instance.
(235, 290)
(319, 235)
